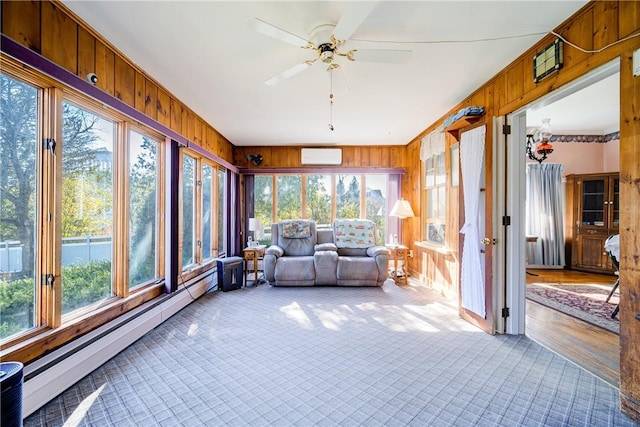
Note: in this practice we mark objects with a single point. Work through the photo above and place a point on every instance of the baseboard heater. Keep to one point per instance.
(50, 375)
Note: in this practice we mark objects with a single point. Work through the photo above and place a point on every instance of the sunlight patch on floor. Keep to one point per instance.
(79, 413)
(294, 312)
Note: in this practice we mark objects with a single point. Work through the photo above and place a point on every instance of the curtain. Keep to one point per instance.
(234, 239)
(472, 279)
(545, 214)
(433, 143)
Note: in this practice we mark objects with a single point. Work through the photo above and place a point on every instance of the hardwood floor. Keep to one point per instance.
(595, 349)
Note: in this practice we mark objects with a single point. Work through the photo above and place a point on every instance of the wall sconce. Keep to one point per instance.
(256, 159)
(541, 137)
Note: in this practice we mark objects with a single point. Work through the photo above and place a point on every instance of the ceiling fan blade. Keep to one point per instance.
(287, 73)
(355, 14)
(277, 33)
(382, 55)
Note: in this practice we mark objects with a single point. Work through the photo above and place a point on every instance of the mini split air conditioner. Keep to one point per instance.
(322, 156)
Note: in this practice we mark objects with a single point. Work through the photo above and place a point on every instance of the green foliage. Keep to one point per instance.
(16, 306)
(142, 214)
(85, 284)
(348, 201)
(289, 203)
(82, 285)
(318, 200)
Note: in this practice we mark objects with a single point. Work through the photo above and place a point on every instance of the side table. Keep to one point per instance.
(252, 256)
(399, 254)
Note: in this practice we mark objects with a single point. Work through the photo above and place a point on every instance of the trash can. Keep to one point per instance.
(11, 391)
(230, 273)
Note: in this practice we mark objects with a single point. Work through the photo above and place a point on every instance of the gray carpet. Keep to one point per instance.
(329, 356)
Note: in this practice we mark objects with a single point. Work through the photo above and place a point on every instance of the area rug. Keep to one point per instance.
(584, 302)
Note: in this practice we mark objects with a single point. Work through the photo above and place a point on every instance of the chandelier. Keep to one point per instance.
(538, 142)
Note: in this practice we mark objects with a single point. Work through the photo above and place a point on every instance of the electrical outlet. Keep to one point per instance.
(410, 253)
(636, 63)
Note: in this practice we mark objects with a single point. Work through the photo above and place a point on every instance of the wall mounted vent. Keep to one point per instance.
(322, 156)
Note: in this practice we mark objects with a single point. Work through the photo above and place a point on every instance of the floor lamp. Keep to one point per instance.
(401, 209)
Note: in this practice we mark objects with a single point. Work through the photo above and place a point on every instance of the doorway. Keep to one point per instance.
(521, 122)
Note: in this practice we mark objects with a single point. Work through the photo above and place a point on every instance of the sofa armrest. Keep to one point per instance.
(377, 250)
(326, 247)
(274, 250)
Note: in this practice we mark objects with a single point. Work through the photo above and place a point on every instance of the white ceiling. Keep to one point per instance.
(594, 110)
(207, 55)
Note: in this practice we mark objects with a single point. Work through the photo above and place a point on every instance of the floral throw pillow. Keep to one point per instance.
(354, 233)
(296, 229)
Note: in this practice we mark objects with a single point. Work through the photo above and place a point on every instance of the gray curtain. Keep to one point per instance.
(545, 214)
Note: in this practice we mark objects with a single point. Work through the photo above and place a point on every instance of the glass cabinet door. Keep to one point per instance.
(593, 198)
(614, 203)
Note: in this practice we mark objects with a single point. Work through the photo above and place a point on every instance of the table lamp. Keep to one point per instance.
(254, 226)
(401, 209)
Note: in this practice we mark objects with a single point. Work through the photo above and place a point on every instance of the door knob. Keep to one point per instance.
(486, 241)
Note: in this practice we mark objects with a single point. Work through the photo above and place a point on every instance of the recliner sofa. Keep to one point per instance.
(345, 255)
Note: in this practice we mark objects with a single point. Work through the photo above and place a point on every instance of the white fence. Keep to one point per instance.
(75, 250)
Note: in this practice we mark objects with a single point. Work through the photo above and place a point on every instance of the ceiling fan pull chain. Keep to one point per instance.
(331, 99)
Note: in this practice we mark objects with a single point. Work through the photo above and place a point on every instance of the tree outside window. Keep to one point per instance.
(18, 201)
(87, 207)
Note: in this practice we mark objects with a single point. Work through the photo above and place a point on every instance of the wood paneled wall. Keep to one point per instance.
(50, 29)
(389, 156)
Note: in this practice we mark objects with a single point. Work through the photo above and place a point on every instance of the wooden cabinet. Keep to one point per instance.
(593, 214)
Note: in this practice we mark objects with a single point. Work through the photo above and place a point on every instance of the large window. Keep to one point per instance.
(188, 210)
(143, 208)
(19, 131)
(321, 197)
(222, 211)
(435, 198)
(87, 207)
(318, 199)
(289, 202)
(348, 196)
(83, 215)
(376, 203)
(263, 206)
(208, 220)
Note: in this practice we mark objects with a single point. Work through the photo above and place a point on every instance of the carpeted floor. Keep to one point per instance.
(584, 302)
(330, 356)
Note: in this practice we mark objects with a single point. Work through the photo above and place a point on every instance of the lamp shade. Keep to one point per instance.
(402, 209)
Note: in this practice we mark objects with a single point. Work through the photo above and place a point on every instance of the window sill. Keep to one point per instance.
(40, 341)
(432, 247)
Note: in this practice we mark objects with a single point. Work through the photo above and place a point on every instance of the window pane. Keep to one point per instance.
(440, 169)
(222, 209)
(262, 206)
(188, 210)
(376, 202)
(441, 202)
(289, 202)
(87, 207)
(319, 199)
(430, 178)
(143, 208)
(432, 203)
(207, 208)
(18, 155)
(347, 196)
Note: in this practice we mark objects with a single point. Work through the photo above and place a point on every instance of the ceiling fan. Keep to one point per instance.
(328, 39)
